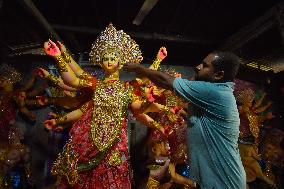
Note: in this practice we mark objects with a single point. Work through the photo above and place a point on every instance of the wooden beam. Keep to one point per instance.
(146, 36)
(251, 31)
(280, 19)
(32, 9)
(1, 4)
(144, 11)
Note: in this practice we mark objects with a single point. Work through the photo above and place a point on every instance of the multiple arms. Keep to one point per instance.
(67, 74)
(54, 80)
(69, 117)
(69, 59)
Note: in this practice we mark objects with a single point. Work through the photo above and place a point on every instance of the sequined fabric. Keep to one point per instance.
(112, 167)
(111, 38)
(7, 114)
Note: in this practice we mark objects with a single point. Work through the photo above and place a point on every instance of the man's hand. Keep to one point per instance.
(132, 67)
(51, 49)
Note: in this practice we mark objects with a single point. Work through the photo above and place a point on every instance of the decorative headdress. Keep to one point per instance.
(119, 41)
(9, 73)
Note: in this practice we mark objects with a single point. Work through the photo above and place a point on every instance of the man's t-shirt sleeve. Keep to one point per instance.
(196, 92)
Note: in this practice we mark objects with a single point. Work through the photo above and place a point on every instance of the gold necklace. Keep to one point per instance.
(111, 101)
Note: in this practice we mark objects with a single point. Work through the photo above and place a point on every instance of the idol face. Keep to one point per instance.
(110, 61)
(161, 149)
(4, 82)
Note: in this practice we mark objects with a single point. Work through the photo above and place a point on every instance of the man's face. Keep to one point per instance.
(205, 70)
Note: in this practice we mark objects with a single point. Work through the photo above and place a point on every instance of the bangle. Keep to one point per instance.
(66, 57)
(155, 125)
(61, 63)
(152, 183)
(172, 116)
(55, 80)
(61, 120)
(144, 105)
(155, 64)
(84, 108)
(83, 83)
(84, 75)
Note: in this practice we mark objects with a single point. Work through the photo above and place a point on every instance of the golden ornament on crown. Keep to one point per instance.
(115, 41)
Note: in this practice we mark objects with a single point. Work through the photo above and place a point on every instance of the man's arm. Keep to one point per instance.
(159, 78)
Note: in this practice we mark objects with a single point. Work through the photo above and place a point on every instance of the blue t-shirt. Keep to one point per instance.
(213, 130)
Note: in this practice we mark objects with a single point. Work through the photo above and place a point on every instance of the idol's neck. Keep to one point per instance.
(112, 76)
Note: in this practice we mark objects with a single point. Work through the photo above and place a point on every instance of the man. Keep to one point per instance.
(213, 125)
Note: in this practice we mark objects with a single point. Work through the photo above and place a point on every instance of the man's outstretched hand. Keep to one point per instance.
(132, 67)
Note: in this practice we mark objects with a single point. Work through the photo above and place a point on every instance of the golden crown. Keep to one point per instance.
(9, 73)
(119, 41)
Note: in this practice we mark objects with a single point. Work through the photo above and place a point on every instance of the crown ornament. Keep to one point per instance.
(9, 73)
(118, 41)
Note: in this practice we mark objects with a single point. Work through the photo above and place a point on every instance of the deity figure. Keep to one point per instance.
(96, 156)
(252, 116)
(252, 113)
(250, 157)
(162, 166)
(15, 157)
(12, 100)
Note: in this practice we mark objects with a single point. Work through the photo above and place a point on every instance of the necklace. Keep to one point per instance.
(111, 101)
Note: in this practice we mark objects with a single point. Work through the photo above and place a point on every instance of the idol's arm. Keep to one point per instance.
(56, 81)
(51, 124)
(263, 108)
(149, 122)
(66, 102)
(259, 101)
(177, 178)
(29, 84)
(79, 72)
(20, 101)
(65, 70)
(67, 118)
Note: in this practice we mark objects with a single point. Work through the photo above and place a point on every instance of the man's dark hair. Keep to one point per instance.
(227, 62)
